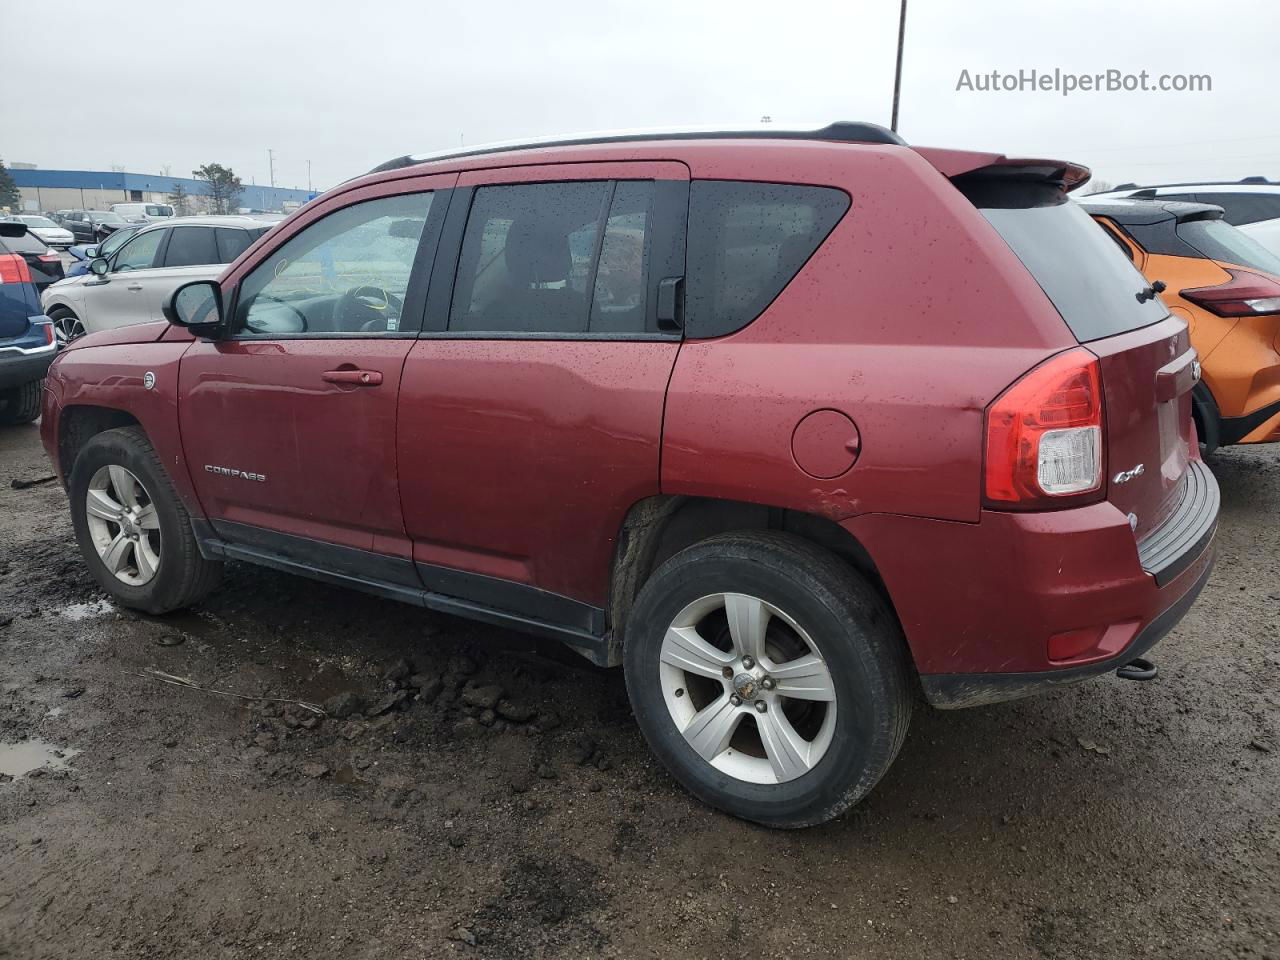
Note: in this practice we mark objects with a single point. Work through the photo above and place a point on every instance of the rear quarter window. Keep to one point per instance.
(1077, 263)
(746, 242)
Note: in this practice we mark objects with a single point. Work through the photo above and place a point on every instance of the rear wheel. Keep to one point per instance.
(20, 404)
(768, 677)
(66, 325)
(134, 533)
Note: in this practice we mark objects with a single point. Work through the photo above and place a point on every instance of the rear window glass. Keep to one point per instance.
(27, 243)
(746, 241)
(1077, 264)
(1221, 241)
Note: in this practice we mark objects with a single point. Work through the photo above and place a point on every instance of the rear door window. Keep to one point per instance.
(746, 242)
(27, 243)
(190, 247)
(1077, 264)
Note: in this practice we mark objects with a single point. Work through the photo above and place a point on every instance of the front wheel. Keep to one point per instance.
(768, 677)
(134, 533)
(66, 325)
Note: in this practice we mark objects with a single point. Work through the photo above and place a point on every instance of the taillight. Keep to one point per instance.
(1246, 294)
(48, 331)
(49, 258)
(1044, 435)
(14, 269)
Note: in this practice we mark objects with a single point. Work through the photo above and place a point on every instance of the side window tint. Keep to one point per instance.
(618, 298)
(526, 258)
(190, 247)
(1242, 208)
(746, 242)
(346, 273)
(232, 243)
(140, 252)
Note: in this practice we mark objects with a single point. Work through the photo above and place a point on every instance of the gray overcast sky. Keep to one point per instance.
(350, 84)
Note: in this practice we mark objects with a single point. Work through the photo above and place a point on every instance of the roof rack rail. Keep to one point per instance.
(842, 131)
(1195, 183)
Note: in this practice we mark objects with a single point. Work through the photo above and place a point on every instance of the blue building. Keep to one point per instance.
(98, 189)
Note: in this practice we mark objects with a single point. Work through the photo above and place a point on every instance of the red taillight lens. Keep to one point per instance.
(13, 269)
(49, 258)
(49, 335)
(1044, 435)
(1246, 294)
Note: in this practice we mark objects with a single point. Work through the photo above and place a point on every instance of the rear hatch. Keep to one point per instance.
(1147, 364)
(43, 262)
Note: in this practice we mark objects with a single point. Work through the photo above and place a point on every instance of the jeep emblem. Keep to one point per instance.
(149, 380)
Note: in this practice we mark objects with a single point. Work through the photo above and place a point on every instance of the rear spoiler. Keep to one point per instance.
(12, 228)
(955, 163)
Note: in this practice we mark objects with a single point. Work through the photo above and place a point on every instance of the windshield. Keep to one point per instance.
(1075, 261)
(1219, 240)
(41, 222)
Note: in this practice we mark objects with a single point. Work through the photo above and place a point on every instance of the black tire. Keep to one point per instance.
(184, 576)
(856, 634)
(21, 404)
(66, 324)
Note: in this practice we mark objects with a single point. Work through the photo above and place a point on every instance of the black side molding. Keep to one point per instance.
(511, 605)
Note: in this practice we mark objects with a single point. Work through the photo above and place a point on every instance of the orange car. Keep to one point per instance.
(1226, 286)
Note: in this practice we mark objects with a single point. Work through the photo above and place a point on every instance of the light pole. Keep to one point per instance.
(897, 75)
(271, 166)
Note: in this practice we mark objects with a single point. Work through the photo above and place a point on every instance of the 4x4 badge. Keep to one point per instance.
(1124, 476)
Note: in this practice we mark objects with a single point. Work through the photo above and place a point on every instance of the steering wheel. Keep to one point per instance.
(368, 308)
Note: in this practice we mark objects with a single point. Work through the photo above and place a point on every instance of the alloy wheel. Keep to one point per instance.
(123, 525)
(67, 327)
(748, 688)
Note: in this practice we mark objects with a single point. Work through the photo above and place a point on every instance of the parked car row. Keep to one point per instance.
(126, 280)
(794, 426)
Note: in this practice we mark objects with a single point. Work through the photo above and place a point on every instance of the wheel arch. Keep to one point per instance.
(79, 424)
(658, 527)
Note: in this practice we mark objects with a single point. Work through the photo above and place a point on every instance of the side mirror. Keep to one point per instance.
(98, 267)
(89, 253)
(197, 306)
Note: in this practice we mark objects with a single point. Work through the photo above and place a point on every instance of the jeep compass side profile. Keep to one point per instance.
(790, 425)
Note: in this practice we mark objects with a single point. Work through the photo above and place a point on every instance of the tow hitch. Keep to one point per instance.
(1138, 669)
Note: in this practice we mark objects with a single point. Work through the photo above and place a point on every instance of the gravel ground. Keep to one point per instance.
(496, 800)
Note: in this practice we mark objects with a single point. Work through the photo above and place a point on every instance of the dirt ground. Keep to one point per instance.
(1109, 819)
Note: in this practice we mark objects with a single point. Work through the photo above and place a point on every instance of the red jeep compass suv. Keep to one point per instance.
(786, 425)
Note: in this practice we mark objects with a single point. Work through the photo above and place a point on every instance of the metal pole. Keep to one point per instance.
(309, 190)
(271, 165)
(897, 76)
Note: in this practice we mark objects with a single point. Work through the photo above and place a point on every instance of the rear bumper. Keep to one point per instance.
(27, 357)
(979, 602)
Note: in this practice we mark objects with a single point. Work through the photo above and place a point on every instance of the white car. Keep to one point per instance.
(46, 230)
(138, 212)
(131, 283)
(1252, 204)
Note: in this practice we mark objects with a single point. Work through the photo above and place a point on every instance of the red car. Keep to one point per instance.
(789, 426)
